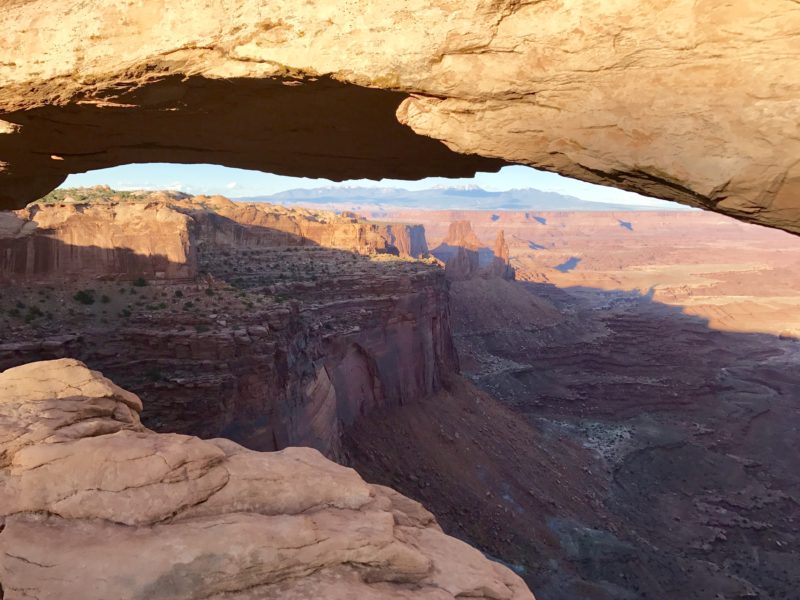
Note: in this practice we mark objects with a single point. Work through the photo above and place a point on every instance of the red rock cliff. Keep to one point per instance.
(301, 322)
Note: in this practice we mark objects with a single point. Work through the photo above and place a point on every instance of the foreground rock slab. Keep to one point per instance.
(93, 505)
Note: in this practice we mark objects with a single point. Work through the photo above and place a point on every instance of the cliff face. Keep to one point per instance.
(89, 241)
(157, 236)
(409, 239)
(637, 94)
(177, 518)
(282, 341)
(226, 223)
(501, 261)
(466, 257)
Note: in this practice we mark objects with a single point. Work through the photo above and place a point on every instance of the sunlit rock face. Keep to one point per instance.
(156, 235)
(690, 101)
(175, 517)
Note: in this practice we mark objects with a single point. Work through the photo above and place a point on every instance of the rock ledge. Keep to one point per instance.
(167, 516)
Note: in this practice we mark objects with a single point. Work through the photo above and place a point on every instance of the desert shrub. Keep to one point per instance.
(84, 297)
(154, 375)
(178, 294)
(105, 299)
(140, 282)
(34, 312)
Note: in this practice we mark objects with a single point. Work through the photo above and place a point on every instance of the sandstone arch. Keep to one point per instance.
(694, 101)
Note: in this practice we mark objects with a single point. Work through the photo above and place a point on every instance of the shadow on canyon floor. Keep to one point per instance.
(623, 450)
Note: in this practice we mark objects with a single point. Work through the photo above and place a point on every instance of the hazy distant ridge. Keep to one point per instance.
(444, 198)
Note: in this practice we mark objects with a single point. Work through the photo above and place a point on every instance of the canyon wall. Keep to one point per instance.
(224, 222)
(157, 236)
(296, 323)
(85, 242)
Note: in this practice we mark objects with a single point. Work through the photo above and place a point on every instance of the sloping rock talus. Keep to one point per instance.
(93, 505)
(690, 101)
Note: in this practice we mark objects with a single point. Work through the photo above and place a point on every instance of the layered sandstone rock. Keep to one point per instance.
(460, 251)
(175, 517)
(466, 257)
(157, 235)
(88, 241)
(301, 321)
(691, 101)
(501, 265)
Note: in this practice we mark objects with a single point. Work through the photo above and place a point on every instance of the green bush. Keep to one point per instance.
(140, 282)
(33, 313)
(154, 375)
(84, 297)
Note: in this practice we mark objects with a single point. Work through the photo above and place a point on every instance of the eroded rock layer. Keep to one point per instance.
(294, 325)
(649, 362)
(690, 101)
(97, 233)
(93, 505)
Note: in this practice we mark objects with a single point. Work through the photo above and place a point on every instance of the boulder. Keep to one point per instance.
(93, 505)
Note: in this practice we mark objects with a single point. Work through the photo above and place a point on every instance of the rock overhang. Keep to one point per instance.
(690, 101)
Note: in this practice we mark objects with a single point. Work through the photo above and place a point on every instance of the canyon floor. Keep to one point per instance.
(643, 442)
(623, 421)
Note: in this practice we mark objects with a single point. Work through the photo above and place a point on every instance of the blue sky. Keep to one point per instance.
(214, 179)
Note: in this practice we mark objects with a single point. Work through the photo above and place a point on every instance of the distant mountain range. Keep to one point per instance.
(444, 198)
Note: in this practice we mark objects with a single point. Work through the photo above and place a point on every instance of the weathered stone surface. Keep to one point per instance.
(466, 257)
(171, 516)
(692, 101)
(156, 235)
(301, 321)
(500, 266)
(87, 241)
